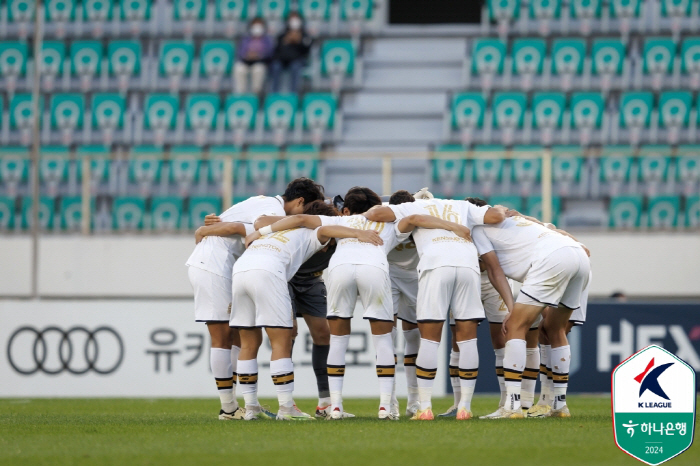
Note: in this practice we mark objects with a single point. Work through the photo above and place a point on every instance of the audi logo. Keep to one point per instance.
(54, 350)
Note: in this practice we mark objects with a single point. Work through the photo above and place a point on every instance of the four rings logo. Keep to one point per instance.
(53, 350)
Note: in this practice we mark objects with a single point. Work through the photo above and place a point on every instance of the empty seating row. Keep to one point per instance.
(585, 117)
(569, 64)
(181, 17)
(121, 65)
(628, 212)
(204, 119)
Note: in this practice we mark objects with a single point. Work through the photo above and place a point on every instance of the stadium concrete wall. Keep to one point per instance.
(138, 266)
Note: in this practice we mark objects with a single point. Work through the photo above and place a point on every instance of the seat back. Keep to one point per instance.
(528, 56)
(488, 56)
(338, 57)
(548, 109)
(319, 110)
(124, 57)
(625, 211)
(568, 56)
(509, 109)
(635, 109)
(608, 56)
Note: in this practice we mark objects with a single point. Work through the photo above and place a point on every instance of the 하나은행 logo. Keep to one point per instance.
(653, 404)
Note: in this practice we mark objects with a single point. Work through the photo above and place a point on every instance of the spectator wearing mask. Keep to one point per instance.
(254, 54)
(291, 53)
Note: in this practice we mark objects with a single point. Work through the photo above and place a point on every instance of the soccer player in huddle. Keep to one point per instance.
(210, 267)
(448, 279)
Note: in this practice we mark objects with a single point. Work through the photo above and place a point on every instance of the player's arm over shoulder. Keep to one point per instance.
(220, 229)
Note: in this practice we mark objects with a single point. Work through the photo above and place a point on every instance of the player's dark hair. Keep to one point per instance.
(400, 197)
(359, 200)
(320, 208)
(476, 201)
(305, 188)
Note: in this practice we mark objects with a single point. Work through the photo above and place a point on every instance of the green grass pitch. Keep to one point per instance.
(186, 432)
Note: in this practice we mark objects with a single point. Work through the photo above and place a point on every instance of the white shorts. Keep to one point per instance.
(212, 295)
(260, 299)
(558, 278)
(578, 317)
(404, 291)
(494, 306)
(373, 285)
(455, 289)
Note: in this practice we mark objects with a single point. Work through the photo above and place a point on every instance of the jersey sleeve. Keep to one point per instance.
(404, 210)
(400, 237)
(269, 207)
(314, 243)
(481, 241)
(325, 220)
(475, 215)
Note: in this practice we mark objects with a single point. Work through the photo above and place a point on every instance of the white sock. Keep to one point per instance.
(454, 376)
(561, 361)
(527, 388)
(468, 371)
(282, 372)
(223, 374)
(336, 369)
(513, 366)
(235, 351)
(426, 369)
(385, 368)
(410, 352)
(248, 379)
(499, 374)
(545, 391)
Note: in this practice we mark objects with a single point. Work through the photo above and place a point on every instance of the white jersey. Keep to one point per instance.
(280, 253)
(216, 254)
(441, 248)
(403, 260)
(518, 242)
(354, 251)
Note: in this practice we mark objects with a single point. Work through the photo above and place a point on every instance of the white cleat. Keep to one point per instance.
(253, 413)
(493, 415)
(561, 412)
(503, 413)
(539, 411)
(335, 415)
(238, 413)
(412, 409)
(395, 411)
(326, 412)
(293, 414)
(387, 415)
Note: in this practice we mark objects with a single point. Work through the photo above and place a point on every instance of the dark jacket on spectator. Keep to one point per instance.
(290, 52)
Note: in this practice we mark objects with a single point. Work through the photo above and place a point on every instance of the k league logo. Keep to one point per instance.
(653, 403)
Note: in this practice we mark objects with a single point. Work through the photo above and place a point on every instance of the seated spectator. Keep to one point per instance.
(291, 53)
(254, 54)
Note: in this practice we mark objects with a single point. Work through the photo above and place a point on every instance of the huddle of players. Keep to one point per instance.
(416, 259)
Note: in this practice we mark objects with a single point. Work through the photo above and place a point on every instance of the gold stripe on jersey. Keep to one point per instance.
(247, 379)
(283, 379)
(335, 371)
(224, 384)
(512, 375)
(454, 371)
(386, 371)
(410, 359)
(499, 371)
(530, 374)
(468, 374)
(425, 373)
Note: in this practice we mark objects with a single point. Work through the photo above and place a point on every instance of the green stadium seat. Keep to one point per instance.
(567, 163)
(545, 9)
(635, 109)
(338, 58)
(625, 212)
(315, 10)
(674, 109)
(14, 165)
(53, 164)
(201, 112)
(512, 202)
(67, 112)
(663, 211)
(526, 170)
(176, 58)
(108, 113)
(692, 212)
(676, 8)
(586, 9)
(261, 165)
(161, 111)
(166, 213)
(503, 10)
(232, 10)
(533, 208)
(509, 109)
(21, 10)
(99, 157)
(128, 213)
(46, 213)
(449, 167)
(654, 162)
(60, 10)
(273, 9)
(135, 10)
(608, 56)
(688, 164)
(301, 161)
(216, 58)
(280, 112)
(21, 110)
(659, 54)
(7, 213)
(468, 109)
(625, 8)
(568, 56)
(548, 109)
(70, 211)
(200, 207)
(52, 57)
(185, 165)
(528, 56)
(319, 111)
(217, 155)
(145, 163)
(690, 55)
(241, 111)
(97, 10)
(587, 110)
(616, 164)
(13, 58)
(356, 10)
(86, 60)
(191, 10)
(488, 56)
(124, 58)
(488, 165)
